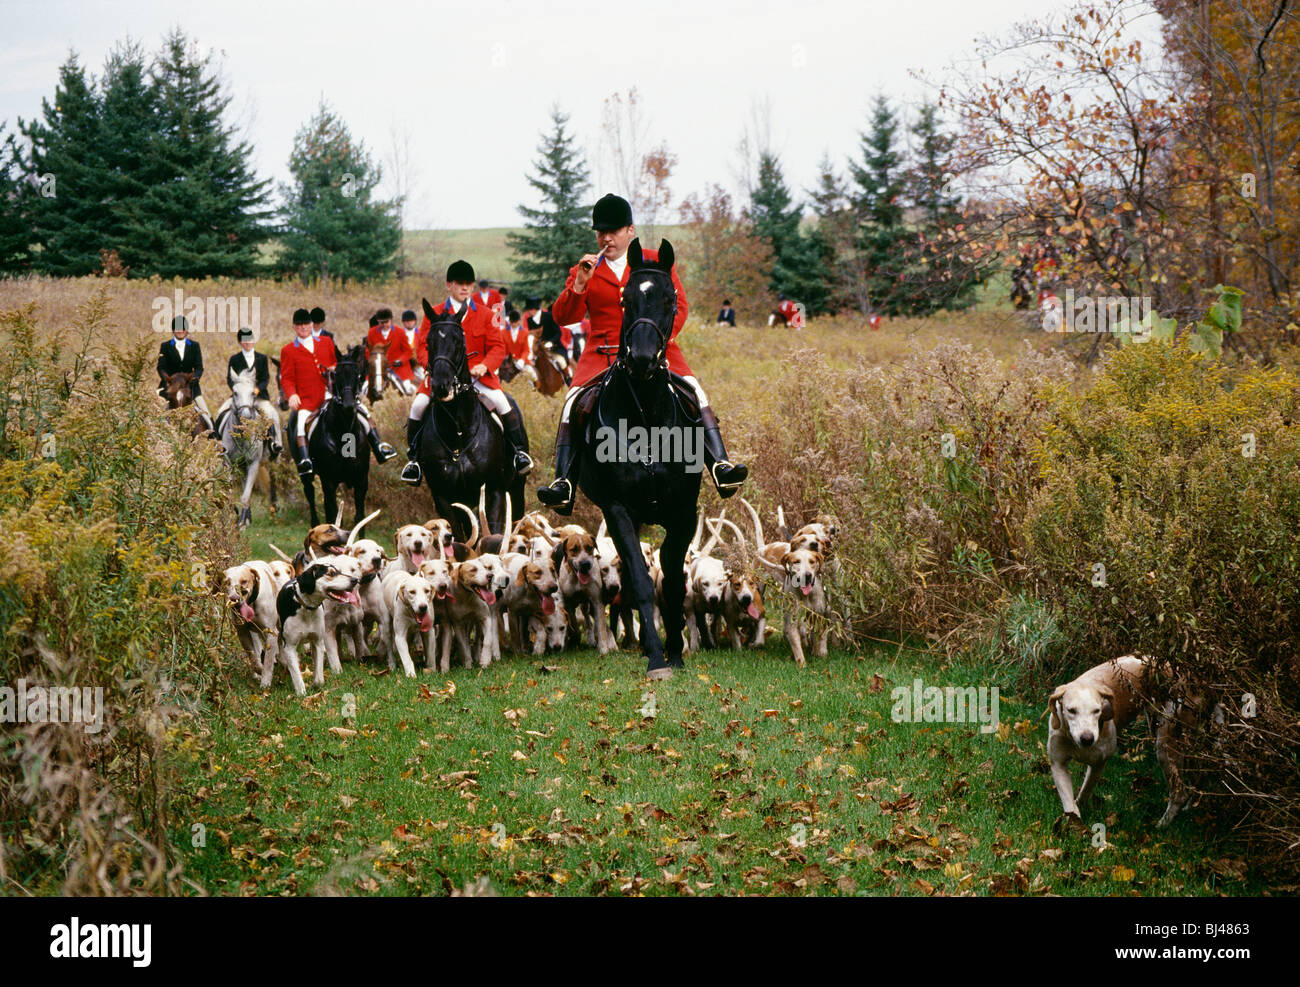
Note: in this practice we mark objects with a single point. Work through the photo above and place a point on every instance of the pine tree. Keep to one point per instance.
(882, 241)
(941, 275)
(67, 208)
(203, 212)
(15, 226)
(797, 271)
(334, 227)
(834, 237)
(128, 121)
(558, 233)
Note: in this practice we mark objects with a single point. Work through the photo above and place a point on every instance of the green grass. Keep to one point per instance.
(752, 776)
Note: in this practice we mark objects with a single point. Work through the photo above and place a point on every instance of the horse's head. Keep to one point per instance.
(177, 389)
(649, 307)
(448, 366)
(243, 394)
(347, 376)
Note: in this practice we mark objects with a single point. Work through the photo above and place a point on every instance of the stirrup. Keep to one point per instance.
(523, 463)
(385, 452)
(557, 498)
(731, 486)
(411, 473)
(305, 467)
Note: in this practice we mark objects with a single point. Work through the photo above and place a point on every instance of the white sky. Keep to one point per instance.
(474, 81)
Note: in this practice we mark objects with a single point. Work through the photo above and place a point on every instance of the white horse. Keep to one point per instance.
(243, 432)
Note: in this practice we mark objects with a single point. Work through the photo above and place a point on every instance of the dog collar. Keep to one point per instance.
(301, 602)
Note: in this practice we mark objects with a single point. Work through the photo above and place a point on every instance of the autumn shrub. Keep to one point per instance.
(111, 522)
(1165, 524)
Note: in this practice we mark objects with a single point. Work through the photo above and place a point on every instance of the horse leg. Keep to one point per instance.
(309, 492)
(637, 583)
(330, 494)
(495, 504)
(672, 555)
(359, 497)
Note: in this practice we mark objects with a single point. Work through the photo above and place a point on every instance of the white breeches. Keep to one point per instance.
(569, 398)
(491, 397)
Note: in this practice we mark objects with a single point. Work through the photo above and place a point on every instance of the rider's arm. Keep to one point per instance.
(570, 306)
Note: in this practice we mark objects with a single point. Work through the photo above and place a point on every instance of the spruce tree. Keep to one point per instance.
(203, 212)
(797, 271)
(128, 120)
(15, 225)
(334, 226)
(559, 232)
(67, 209)
(883, 241)
(941, 275)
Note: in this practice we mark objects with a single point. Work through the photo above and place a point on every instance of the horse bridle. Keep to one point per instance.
(457, 368)
(664, 334)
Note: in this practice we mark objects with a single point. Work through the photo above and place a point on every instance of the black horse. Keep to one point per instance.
(459, 449)
(337, 447)
(663, 490)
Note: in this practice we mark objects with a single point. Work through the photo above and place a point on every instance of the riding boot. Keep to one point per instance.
(727, 476)
(560, 494)
(411, 471)
(512, 425)
(383, 451)
(305, 467)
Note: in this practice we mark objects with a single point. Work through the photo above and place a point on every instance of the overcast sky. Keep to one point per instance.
(473, 82)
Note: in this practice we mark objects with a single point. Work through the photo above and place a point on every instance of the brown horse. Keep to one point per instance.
(176, 391)
(549, 379)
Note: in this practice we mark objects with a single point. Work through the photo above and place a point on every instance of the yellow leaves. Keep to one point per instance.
(519, 755)
(1122, 873)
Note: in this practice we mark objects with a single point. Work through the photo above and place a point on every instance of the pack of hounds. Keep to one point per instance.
(541, 588)
(545, 588)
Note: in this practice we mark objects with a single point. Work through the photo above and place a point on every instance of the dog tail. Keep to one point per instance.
(280, 553)
(759, 543)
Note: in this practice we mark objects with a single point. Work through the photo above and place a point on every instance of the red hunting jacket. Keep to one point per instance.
(399, 350)
(603, 302)
(302, 371)
(482, 342)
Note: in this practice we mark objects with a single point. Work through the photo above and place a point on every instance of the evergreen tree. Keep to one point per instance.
(334, 227)
(558, 233)
(15, 225)
(882, 241)
(942, 276)
(797, 271)
(67, 208)
(834, 237)
(202, 211)
(128, 120)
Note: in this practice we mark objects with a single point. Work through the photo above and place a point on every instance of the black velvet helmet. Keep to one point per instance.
(301, 317)
(461, 272)
(612, 212)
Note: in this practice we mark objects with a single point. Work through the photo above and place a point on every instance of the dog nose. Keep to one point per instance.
(746, 600)
(584, 567)
(1085, 740)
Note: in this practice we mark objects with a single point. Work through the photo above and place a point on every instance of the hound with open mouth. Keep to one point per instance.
(805, 596)
(469, 613)
(578, 571)
(530, 600)
(250, 590)
(298, 608)
(409, 601)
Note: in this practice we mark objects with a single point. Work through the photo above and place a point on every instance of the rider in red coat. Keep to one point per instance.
(595, 288)
(484, 350)
(303, 364)
(399, 354)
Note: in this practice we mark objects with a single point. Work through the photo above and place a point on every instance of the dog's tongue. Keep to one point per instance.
(444, 594)
(351, 597)
(417, 558)
(618, 599)
(548, 605)
(246, 612)
(447, 551)
(488, 596)
(584, 578)
(425, 623)
(752, 610)
(806, 589)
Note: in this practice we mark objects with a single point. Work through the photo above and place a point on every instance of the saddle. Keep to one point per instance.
(587, 409)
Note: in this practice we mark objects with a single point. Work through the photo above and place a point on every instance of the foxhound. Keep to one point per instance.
(300, 620)
(469, 612)
(408, 599)
(250, 590)
(805, 595)
(578, 571)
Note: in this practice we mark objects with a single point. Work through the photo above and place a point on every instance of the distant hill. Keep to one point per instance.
(430, 251)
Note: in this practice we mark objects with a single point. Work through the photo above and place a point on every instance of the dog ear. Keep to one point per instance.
(1107, 705)
(557, 554)
(307, 580)
(1054, 704)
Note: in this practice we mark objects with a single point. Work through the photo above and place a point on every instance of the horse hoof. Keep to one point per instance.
(655, 674)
